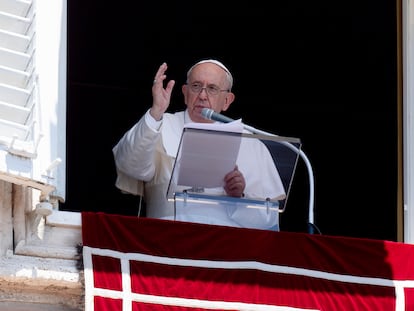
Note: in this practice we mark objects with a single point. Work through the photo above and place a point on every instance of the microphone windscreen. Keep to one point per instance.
(207, 113)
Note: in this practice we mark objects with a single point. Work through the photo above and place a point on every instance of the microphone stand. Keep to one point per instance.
(311, 225)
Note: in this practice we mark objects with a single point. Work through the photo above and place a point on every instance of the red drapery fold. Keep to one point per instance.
(150, 264)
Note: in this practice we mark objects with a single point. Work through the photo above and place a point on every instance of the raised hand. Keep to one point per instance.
(161, 96)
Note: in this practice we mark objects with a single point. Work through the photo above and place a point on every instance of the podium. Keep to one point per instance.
(205, 156)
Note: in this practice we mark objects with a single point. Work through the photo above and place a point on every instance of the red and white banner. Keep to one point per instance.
(145, 264)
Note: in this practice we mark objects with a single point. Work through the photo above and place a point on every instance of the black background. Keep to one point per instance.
(324, 72)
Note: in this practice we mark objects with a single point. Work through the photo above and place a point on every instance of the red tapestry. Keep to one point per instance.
(145, 264)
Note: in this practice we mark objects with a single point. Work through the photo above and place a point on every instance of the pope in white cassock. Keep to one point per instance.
(145, 155)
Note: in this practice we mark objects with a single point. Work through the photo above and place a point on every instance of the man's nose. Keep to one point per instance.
(203, 92)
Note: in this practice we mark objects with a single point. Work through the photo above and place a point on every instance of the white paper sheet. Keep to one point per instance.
(208, 154)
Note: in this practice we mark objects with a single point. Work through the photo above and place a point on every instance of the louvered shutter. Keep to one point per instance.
(33, 94)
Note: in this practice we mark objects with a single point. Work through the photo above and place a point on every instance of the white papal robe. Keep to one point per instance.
(144, 159)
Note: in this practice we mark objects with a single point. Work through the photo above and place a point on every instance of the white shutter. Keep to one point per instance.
(33, 94)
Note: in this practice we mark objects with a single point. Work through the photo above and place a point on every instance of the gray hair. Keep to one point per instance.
(218, 63)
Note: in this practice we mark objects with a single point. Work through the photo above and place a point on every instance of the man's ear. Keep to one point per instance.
(230, 97)
(184, 91)
(184, 88)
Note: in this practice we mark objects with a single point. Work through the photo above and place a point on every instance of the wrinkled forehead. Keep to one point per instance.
(212, 61)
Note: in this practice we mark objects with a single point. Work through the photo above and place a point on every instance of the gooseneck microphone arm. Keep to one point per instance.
(308, 166)
(212, 115)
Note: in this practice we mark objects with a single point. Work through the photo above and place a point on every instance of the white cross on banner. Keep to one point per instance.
(147, 264)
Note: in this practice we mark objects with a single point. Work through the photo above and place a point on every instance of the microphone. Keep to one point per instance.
(210, 114)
